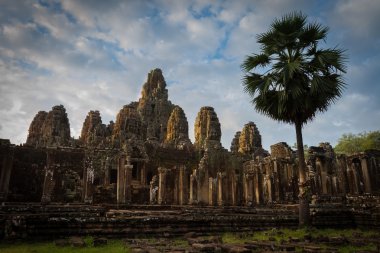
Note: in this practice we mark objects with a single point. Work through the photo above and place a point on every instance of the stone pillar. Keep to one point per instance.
(107, 171)
(49, 182)
(335, 185)
(355, 170)
(143, 174)
(211, 192)
(250, 186)
(88, 180)
(5, 173)
(342, 175)
(202, 187)
(233, 190)
(220, 188)
(191, 195)
(128, 180)
(323, 171)
(121, 181)
(245, 189)
(268, 189)
(181, 185)
(151, 193)
(174, 198)
(153, 190)
(374, 169)
(162, 172)
(276, 181)
(366, 176)
(258, 185)
(351, 180)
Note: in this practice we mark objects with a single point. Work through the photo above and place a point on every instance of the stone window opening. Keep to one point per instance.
(113, 176)
(135, 171)
(149, 176)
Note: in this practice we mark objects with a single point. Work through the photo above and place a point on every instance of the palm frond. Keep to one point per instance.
(301, 78)
(251, 62)
(313, 33)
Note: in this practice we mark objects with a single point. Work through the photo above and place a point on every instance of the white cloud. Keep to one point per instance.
(361, 18)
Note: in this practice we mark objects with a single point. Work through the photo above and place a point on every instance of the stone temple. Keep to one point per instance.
(146, 158)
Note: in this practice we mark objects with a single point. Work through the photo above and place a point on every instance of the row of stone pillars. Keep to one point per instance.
(269, 181)
(124, 178)
(172, 190)
(212, 191)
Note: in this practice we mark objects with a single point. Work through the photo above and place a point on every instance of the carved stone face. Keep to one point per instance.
(214, 134)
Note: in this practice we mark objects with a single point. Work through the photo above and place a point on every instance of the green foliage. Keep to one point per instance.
(353, 143)
(285, 234)
(349, 249)
(114, 246)
(300, 77)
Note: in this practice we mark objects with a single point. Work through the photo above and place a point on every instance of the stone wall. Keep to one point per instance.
(27, 175)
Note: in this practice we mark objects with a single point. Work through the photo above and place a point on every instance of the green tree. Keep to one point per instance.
(372, 141)
(354, 143)
(292, 79)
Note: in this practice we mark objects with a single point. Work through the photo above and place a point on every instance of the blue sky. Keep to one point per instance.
(95, 55)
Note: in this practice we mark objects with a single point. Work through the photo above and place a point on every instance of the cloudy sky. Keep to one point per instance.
(94, 55)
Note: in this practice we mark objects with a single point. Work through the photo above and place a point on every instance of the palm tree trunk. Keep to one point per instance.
(303, 191)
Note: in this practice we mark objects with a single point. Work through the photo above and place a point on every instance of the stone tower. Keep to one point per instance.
(249, 139)
(94, 132)
(50, 129)
(207, 129)
(35, 129)
(235, 143)
(177, 128)
(128, 125)
(154, 106)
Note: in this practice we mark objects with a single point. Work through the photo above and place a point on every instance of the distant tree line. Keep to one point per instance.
(353, 143)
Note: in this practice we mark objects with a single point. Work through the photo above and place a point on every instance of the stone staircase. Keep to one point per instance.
(55, 220)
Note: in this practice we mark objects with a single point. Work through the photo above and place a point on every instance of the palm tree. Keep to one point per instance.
(297, 79)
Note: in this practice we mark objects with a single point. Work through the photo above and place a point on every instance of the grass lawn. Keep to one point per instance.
(275, 235)
(114, 246)
(278, 235)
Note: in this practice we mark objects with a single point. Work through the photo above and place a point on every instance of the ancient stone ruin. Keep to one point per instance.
(146, 157)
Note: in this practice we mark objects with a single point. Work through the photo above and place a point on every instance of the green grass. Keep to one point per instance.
(285, 234)
(179, 242)
(350, 249)
(114, 246)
